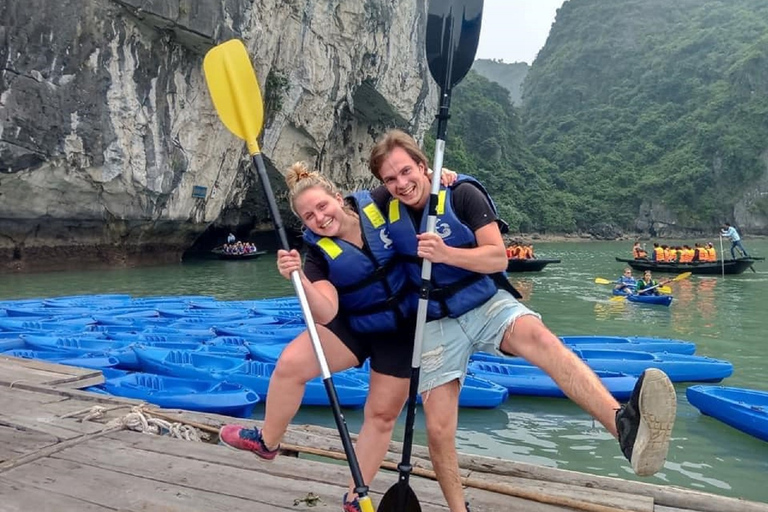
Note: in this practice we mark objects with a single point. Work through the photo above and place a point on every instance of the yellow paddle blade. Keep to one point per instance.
(235, 91)
(618, 298)
(665, 290)
(684, 275)
(600, 280)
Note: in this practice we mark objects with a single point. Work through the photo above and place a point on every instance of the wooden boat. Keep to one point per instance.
(736, 266)
(528, 265)
(219, 252)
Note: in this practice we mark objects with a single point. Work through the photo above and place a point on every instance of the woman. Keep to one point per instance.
(363, 313)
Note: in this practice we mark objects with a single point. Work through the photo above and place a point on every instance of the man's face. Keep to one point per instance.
(405, 179)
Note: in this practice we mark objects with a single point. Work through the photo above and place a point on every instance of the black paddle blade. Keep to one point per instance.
(392, 499)
(453, 31)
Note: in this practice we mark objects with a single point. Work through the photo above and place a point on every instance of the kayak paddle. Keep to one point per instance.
(679, 277)
(453, 31)
(236, 95)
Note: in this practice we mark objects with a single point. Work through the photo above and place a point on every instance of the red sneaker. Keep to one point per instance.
(241, 438)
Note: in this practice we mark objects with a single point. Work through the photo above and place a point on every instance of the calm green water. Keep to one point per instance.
(726, 318)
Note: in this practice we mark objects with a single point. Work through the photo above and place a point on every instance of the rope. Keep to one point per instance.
(140, 420)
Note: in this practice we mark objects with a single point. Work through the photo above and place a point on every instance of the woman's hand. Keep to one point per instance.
(287, 262)
(447, 177)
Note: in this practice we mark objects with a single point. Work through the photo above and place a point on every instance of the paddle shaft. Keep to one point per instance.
(405, 468)
(338, 416)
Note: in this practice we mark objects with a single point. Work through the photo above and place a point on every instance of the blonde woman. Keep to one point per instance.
(361, 299)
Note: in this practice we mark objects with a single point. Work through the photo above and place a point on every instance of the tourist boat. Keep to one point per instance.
(223, 255)
(736, 266)
(528, 265)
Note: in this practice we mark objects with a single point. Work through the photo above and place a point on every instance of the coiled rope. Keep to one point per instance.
(141, 420)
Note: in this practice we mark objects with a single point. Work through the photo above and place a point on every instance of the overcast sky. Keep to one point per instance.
(515, 30)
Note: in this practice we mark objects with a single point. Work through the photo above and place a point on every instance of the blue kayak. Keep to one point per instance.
(679, 367)
(633, 343)
(659, 300)
(189, 394)
(352, 392)
(531, 381)
(743, 409)
(479, 393)
(84, 361)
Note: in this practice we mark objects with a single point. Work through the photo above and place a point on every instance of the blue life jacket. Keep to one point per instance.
(453, 291)
(374, 292)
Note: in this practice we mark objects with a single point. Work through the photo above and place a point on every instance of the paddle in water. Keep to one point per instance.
(680, 277)
(236, 95)
(453, 31)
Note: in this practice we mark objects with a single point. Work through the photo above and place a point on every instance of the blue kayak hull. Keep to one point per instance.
(679, 367)
(742, 409)
(188, 394)
(633, 343)
(531, 381)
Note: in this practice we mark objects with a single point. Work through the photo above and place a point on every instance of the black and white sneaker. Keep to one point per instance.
(645, 422)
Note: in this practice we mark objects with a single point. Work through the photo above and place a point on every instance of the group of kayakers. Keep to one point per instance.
(520, 251)
(676, 253)
(362, 280)
(646, 285)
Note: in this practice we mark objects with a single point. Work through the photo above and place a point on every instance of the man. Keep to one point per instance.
(231, 238)
(638, 252)
(467, 313)
(730, 232)
(626, 283)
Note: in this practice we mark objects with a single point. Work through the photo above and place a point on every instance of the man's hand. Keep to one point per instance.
(432, 248)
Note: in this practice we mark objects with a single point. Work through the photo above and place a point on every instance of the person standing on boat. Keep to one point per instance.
(468, 311)
(231, 238)
(729, 231)
(360, 297)
(626, 284)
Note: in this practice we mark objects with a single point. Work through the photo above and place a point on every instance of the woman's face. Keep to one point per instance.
(321, 212)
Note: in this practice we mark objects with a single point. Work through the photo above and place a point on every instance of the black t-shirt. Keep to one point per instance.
(469, 203)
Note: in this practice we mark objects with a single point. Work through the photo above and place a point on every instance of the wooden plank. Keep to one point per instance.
(35, 365)
(193, 463)
(669, 496)
(15, 442)
(19, 497)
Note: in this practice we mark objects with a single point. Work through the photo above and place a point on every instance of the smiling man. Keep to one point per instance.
(472, 308)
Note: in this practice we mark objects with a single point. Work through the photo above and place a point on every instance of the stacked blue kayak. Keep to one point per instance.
(214, 356)
(743, 409)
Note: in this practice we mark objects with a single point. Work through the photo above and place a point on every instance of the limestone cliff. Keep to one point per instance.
(107, 127)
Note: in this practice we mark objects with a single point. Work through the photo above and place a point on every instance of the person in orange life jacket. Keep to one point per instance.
(352, 302)
(478, 316)
(658, 253)
(626, 283)
(711, 252)
(638, 252)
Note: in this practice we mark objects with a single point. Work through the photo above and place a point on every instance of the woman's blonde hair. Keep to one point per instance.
(299, 178)
(394, 139)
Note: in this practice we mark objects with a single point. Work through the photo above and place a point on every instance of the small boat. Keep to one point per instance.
(679, 367)
(84, 361)
(223, 255)
(479, 393)
(531, 381)
(658, 300)
(189, 394)
(743, 409)
(529, 264)
(352, 392)
(633, 343)
(736, 266)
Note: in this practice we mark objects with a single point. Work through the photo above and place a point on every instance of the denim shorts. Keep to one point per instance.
(448, 342)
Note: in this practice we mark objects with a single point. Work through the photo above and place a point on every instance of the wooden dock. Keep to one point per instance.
(53, 457)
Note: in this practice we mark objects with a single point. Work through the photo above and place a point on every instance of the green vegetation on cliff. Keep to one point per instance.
(630, 103)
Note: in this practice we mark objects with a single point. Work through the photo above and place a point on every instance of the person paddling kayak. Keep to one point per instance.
(626, 284)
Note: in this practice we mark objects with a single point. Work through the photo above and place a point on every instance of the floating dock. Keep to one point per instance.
(67, 450)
